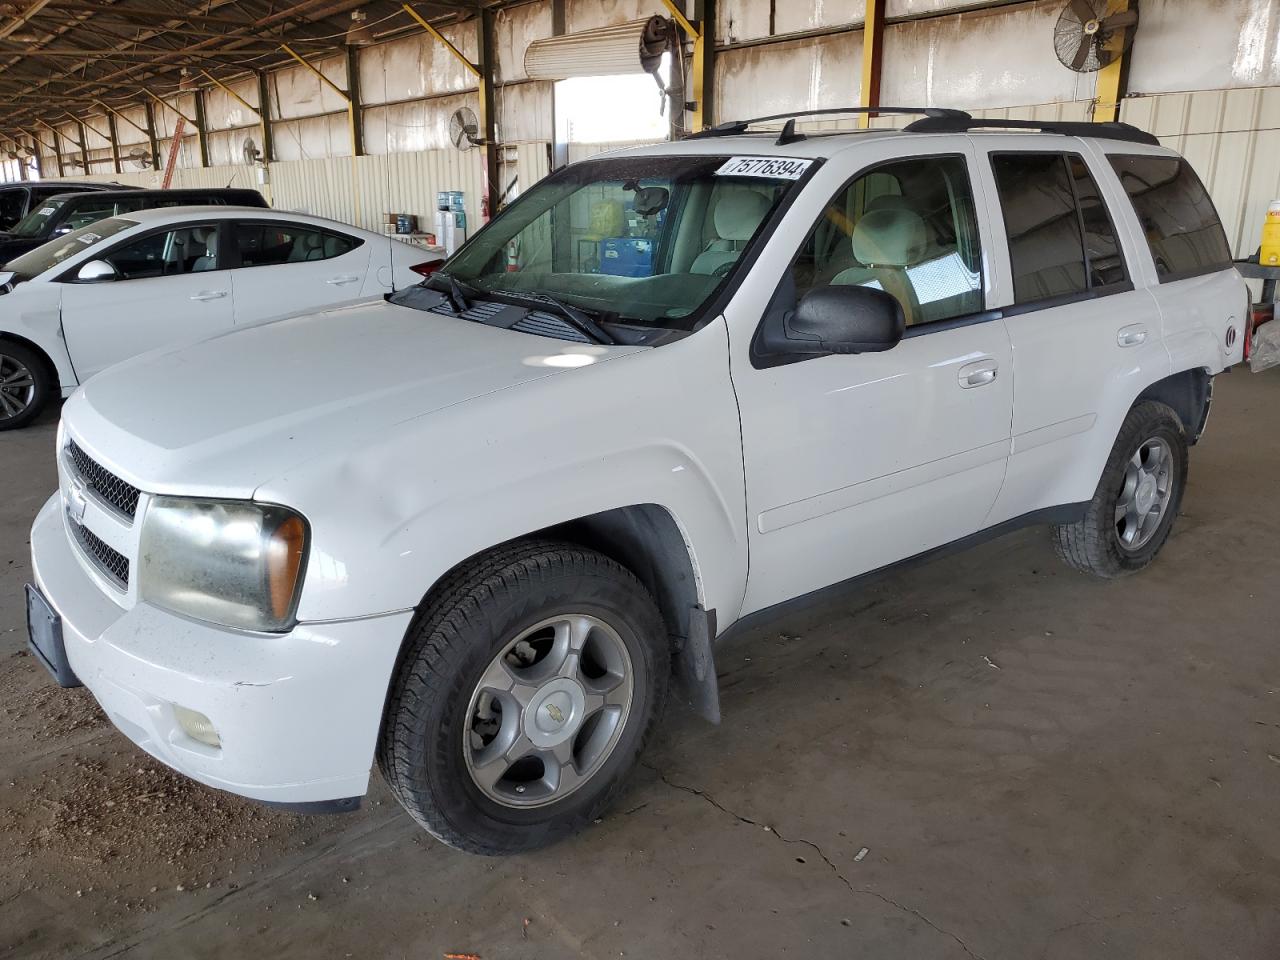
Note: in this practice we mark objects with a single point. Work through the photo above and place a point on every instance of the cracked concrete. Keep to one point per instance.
(1108, 792)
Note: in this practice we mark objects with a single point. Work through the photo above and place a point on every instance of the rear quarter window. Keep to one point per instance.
(1177, 217)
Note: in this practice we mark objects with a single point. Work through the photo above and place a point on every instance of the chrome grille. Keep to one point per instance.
(117, 493)
(111, 562)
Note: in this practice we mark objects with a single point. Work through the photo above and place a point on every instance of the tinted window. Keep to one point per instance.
(1046, 250)
(35, 223)
(13, 206)
(1177, 216)
(51, 254)
(85, 213)
(171, 252)
(263, 244)
(906, 228)
(1101, 248)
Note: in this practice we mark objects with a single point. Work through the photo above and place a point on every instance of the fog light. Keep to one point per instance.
(197, 726)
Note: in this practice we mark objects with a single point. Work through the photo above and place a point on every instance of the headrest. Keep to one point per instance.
(889, 238)
(739, 213)
(202, 234)
(888, 201)
(312, 241)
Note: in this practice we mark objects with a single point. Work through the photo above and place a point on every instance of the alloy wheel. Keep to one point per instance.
(1145, 493)
(17, 387)
(548, 711)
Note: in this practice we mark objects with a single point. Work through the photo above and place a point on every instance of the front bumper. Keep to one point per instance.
(297, 713)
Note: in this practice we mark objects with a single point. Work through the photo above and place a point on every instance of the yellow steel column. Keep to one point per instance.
(872, 49)
(700, 79)
(1112, 77)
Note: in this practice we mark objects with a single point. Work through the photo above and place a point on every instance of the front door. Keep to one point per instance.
(170, 288)
(856, 461)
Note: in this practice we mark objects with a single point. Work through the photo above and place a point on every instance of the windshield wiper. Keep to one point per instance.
(578, 318)
(457, 294)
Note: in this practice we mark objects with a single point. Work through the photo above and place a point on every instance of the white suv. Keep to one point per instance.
(475, 531)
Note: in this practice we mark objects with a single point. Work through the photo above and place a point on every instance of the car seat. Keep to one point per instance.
(737, 216)
(888, 240)
(307, 246)
(206, 237)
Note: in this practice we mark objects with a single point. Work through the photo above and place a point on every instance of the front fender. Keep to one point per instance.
(658, 426)
(33, 312)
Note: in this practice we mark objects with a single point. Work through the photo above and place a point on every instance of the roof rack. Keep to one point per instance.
(734, 127)
(1068, 128)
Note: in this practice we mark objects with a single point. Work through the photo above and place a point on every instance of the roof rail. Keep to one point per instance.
(734, 127)
(1068, 128)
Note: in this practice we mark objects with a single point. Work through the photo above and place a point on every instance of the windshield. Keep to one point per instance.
(32, 225)
(637, 239)
(51, 254)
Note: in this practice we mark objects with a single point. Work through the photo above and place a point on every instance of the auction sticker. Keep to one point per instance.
(774, 168)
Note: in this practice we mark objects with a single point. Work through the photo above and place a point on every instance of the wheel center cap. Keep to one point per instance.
(1146, 494)
(555, 713)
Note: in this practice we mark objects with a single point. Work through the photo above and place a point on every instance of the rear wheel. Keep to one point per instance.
(26, 383)
(1133, 508)
(528, 686)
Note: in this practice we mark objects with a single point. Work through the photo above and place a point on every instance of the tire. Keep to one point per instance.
(468, 630)
(27, 382)
(1152, 443)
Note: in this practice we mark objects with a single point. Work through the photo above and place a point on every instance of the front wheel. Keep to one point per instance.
(26, 384)
(529, 684)
(1133, 508)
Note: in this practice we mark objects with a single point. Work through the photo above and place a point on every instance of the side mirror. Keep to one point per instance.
(840, 319)
(97, 271)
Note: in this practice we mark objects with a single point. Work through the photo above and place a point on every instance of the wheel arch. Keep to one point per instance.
(10, 337)
(1189, 393)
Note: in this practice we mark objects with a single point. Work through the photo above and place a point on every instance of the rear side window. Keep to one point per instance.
(1177, 216)
(261, 244)
(1061, 238)
(13, 207)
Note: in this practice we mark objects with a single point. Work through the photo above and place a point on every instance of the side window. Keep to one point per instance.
(1046, 249)
(87, 212)
(172, 252)
(1177, 216)
(1101, 248)
(269, 244)
(12, 207)
(907, 228)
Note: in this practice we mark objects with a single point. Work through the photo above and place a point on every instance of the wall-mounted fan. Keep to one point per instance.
(1091, 33)
(464, 129)
(249, 150)
(140, 157)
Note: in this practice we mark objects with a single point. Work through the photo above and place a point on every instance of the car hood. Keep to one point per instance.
(223, 416)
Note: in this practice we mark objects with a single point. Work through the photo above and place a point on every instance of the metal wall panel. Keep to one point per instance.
(739, 20)
(515, 29)
(128, 134)
(796, 17)
(226, 147)
(582, 15)
(795, 75)
(312, 138)
(417, 66)
(1183, 46)
(297, 92)
(525, 112)
(990, 58)
(224, 112)
(413, 126)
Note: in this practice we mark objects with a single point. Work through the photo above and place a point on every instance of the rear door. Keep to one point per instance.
(1086, 332)
(171, 289)
(1202, 299)
(284, 268)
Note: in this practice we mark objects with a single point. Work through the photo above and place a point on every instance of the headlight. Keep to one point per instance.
(232, 562)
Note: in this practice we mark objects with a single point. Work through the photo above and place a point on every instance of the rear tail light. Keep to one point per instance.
(1259, 313)
(427, 268)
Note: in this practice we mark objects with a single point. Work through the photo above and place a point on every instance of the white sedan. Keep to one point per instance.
(128, 284)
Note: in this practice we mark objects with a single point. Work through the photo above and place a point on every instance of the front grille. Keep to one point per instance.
(111, 562)
(121, 495)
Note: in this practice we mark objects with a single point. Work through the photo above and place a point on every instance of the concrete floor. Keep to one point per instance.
(1037, 764)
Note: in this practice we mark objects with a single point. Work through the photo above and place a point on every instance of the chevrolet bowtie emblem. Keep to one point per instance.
(555, 713)
(76, 501)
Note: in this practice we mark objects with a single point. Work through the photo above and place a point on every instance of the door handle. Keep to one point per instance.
(978, 374)
(338, 281)
(209, 295)
(1132, 335)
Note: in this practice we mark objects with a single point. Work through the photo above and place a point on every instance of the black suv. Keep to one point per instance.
(19, 199)
(70, 211)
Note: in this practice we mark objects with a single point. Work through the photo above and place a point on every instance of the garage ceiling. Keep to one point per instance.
(58, 56)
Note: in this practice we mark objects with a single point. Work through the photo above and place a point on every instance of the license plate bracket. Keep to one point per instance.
(44, 637)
